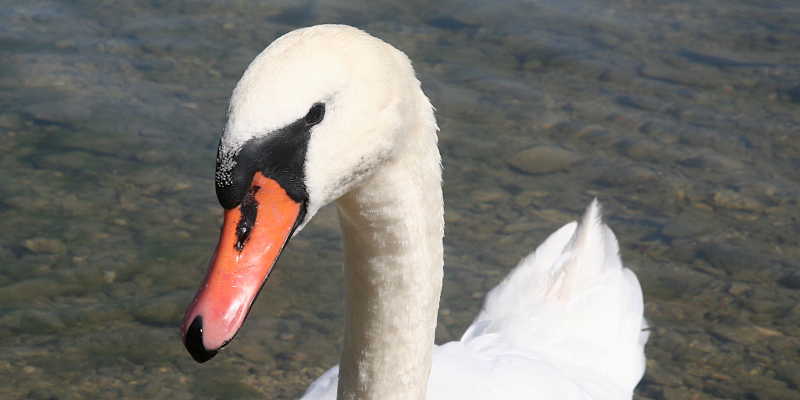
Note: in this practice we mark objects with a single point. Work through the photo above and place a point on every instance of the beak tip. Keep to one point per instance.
(193, 340)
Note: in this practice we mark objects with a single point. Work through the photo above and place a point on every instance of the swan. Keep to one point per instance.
(330, 114)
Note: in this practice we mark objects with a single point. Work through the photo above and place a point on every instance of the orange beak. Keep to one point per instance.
(251, 240)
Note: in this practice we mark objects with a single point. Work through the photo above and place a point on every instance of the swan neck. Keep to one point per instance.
(392, 229)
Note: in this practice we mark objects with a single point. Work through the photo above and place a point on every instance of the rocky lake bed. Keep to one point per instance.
(682, 118)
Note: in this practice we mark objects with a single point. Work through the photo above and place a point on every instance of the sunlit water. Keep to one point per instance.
(681, 116)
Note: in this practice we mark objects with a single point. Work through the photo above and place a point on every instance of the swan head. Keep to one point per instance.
(317, 110)
(313, 116)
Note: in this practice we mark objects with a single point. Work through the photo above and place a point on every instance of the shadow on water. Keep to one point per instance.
(681, 116)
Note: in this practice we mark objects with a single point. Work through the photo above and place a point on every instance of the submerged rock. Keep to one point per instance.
(736, 201)
(791, 280)
(40, 322)
(45, 245)
(642, 149)
(740, 262)
(544, 159)
(689, 223)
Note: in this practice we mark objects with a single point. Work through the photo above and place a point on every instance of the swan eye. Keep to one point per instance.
(315, 114)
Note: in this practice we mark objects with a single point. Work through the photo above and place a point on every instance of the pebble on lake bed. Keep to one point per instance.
(544, 159)
(736, 201)
(45, 245)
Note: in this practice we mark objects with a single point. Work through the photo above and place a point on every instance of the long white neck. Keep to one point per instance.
(393, 227)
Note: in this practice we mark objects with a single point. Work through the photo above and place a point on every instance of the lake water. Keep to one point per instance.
(683, 117)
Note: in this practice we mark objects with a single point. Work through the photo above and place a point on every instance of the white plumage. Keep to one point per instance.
(566, 324)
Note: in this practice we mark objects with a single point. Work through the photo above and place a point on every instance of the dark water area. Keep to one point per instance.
(682, 117)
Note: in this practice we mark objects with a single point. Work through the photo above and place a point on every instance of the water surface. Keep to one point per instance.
(683, 117)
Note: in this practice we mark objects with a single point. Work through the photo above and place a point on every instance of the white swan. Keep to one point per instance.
(331, 114)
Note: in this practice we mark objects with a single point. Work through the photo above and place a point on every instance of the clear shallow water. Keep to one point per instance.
(683, 117)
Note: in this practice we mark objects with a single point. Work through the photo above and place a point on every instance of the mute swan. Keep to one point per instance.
(330, 114)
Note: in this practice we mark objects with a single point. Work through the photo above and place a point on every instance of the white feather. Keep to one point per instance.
(567, 323)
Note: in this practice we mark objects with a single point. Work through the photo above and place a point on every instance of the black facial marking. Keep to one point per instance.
(248, 220)
(279, 155)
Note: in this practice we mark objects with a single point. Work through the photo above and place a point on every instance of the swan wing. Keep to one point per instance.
(572, 305)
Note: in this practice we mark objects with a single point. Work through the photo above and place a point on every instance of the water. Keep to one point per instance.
(683, 117)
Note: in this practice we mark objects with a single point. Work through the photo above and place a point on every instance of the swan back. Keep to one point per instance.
(571, 304)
